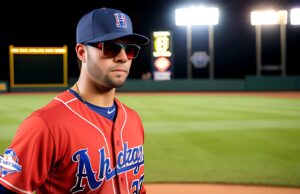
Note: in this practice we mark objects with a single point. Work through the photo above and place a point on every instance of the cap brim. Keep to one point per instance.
(132, 38)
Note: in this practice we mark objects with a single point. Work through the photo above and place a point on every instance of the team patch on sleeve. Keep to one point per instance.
(9, 163)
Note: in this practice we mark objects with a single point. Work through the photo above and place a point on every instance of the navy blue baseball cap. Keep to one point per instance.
(107, 24)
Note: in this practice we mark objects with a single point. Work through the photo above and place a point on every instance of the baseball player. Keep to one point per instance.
(85, 140)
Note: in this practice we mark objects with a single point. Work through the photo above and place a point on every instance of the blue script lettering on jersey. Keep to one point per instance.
(128, 159)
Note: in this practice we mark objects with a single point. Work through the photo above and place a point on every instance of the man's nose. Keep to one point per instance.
(122, 57)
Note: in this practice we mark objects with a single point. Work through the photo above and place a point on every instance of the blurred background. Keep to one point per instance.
(232, 138)
(53, 23)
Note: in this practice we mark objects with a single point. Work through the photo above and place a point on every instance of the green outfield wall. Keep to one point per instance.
(184, 85)
(272, 83)
(250, 83)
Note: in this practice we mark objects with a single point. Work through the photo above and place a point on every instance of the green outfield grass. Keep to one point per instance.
(202, 138)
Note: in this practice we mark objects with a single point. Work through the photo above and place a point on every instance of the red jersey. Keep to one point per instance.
(65, 147)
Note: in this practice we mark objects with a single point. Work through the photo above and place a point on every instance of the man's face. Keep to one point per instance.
(110, 72)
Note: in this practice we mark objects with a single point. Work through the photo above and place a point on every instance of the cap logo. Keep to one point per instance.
(120, 20)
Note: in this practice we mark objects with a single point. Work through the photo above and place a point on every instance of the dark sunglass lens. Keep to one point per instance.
(111, 49)
(132, 51)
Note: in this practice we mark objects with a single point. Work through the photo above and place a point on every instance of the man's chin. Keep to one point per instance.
(118, 83)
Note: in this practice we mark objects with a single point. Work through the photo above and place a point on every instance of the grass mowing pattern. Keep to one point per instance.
(223, 139)
(14, 109)
(194, 138)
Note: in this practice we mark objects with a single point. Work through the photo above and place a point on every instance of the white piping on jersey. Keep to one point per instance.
(125, 120)
(18, 189)
(71, 100)
(66, 104)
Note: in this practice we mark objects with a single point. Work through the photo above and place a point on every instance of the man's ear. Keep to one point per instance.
(80, 51)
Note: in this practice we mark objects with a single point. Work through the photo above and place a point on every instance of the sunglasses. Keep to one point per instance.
(112, 49)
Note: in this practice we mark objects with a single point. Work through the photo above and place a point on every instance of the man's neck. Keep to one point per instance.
(99, 96)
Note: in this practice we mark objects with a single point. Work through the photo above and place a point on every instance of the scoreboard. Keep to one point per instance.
(38, 66)
(162, 58)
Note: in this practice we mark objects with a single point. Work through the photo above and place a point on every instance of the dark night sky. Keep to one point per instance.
(50, 23)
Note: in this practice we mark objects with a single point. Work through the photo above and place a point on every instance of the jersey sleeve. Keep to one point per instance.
(29, 159)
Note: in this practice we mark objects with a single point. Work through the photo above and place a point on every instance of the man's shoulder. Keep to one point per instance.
(46, 116)
(55, 107)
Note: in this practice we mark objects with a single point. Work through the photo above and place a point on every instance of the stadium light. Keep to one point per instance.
(198, 15)
(270, 17)
(295, 16)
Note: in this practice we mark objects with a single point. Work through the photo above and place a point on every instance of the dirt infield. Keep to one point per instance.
(217, 189)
